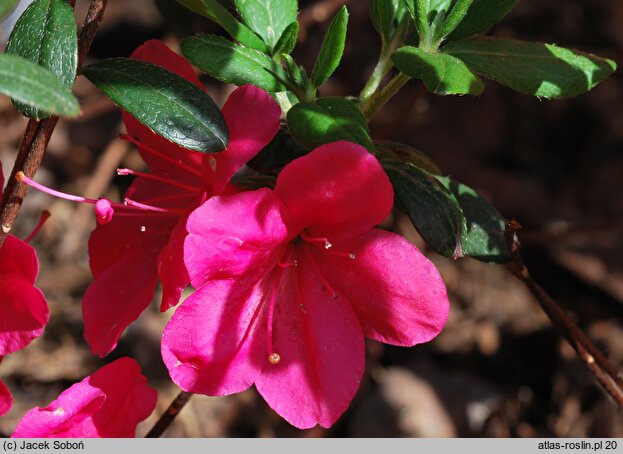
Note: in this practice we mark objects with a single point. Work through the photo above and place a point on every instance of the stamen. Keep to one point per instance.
(151, 176)
(104, 208)
(327, 245)
(273, 357)
(310, 239)
(159, 154)
(328, 286)
(142, 206)
(45, 215)
(287, 264)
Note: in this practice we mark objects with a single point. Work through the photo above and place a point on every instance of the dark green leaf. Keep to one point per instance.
(6, 6)
(233, 63)
(295, 72)
(268, 18)
(279, 152)
(287, 42)
(434, 211)
(482, 15)
(442, 74)
(400, 152)
(542, 70)
(214, 11)
(482, 235)
(455, 17)
(332, 49)
(46, 34)
(328, 120)
(386, 15)
(35, 86)
(166, 103)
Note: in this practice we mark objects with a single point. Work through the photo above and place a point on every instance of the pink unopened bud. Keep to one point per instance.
(104, 211)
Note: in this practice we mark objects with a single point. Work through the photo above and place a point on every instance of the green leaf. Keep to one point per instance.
(483, 231)
(166, 103)
(279, 152)
(432, 208)
(35, 86)
(419, 10)
(296, 74)
(46, 34)
(6, 6)
(214, 11)
(287, 42)
(395, 151)
(542, 70)
(455, 17)
(332, 49)
(233, 63)
(328, 120)
(386, 16)
(442, 74)
(482, 15)
(268, 18)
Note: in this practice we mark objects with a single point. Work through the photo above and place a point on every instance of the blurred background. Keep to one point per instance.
(499, 369)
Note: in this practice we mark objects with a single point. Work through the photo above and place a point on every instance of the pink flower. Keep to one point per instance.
(107, 404)
(290, 281)
(23, 309)
(143, 243)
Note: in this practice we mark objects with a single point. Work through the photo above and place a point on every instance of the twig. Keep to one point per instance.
(603, 370)
(38, 133)
(168, 416)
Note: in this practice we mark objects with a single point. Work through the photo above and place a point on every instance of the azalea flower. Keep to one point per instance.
(107, 404)
(290, 281)
(23, 309)
(139, 242)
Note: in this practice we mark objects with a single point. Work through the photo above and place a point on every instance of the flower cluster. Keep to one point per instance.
(288, 281)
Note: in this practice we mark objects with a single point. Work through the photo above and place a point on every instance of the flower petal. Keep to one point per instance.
(109, 403)
(117, 297)
(18, 257)
(233, 236)
(6, 399)
(171, 267)
(337, 190)
(252, 118)
(23, 313)
(160, 154)
(214, 343)
(397, 293)
(318, 337)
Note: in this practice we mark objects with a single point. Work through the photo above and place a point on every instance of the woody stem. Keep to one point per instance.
(168, 416)
(38, 133)
(604, 371)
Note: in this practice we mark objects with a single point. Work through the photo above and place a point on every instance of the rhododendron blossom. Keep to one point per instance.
(143, 243)
(290, 280)
(23, 309)
(107, 404)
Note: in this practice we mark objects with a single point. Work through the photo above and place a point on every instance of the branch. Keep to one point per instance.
(38, 133)
(604, 371)
(168, 416)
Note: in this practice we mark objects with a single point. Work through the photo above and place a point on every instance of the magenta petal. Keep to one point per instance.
(171, 267)
(337, 190)
(397, 293)
(107, 404)
(18, 257)
(6, 400)
(117, 297)
(23, 313)
(214, 342)
(320, 342)
(252, 118)
(23, 309)
(233, 236)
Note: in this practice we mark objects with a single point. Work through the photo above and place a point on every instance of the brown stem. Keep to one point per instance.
(168, 416)
(603, 370)
(38, 133)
